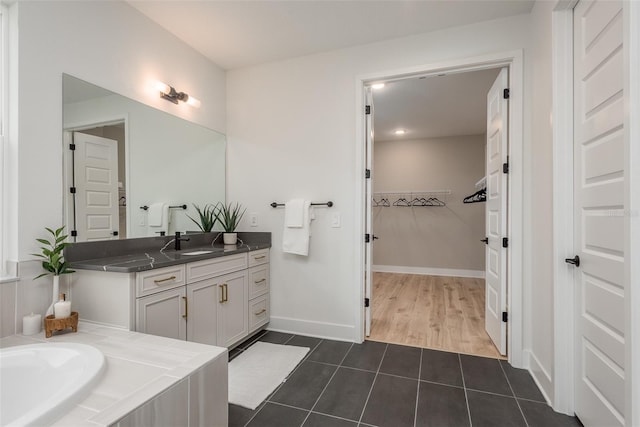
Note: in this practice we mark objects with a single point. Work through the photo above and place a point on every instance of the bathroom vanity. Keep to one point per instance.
(215, 295)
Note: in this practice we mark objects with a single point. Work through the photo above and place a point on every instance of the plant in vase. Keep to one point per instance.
(53, 260)
(208, 217)
(229, 216)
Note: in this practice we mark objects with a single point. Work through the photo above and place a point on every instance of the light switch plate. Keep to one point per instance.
(335, 220)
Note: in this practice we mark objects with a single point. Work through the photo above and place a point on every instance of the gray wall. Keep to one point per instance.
(430, 237)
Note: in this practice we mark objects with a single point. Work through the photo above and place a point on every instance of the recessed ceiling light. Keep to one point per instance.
(400, 132)
(377, 86)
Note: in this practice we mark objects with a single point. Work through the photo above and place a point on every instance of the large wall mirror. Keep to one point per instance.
(129, 169)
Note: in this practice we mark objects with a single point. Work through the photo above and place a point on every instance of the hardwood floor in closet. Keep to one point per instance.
(444, 313)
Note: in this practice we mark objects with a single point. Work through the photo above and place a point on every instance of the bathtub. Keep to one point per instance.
(41, 382)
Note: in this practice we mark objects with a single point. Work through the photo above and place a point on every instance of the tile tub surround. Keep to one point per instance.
(139, 368)
(140, 254)
(379, 384)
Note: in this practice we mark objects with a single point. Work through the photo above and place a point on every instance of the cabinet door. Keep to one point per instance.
(163, 314)
(233, 322)
(202, 300)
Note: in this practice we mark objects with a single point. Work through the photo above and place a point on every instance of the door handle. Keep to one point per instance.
(375, 237)
(186, 308)
(575, 261)
(485, 240)
(226, 292)
(221, 294)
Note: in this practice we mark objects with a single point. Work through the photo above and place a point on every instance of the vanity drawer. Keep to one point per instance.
(258, 257)
(208, 268)
(258, 280)
(151, 281)
(258, 312)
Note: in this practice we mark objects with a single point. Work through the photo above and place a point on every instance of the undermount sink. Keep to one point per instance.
(197, 252)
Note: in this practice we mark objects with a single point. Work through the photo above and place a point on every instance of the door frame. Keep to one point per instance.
(563, 222)
(516, 280)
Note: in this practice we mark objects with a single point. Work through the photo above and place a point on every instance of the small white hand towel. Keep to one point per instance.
(296, 240)
(158, 219)
(294, 213)
(155, 214)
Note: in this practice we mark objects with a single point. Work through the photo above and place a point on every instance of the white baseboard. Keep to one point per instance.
(332, 331)
(540, 376)
(428, 271)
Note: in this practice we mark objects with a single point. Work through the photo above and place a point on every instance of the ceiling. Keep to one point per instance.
(240, 33)
(433, 106)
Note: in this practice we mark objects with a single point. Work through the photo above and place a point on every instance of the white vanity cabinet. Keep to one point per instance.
(216, 301)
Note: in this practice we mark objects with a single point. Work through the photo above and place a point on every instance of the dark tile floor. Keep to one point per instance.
(375, 384)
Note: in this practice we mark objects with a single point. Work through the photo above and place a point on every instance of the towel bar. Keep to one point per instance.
(145, 207)
(327, 204)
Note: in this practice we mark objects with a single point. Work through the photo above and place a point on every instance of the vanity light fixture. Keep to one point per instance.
(400, 132)
(170, 94)
(377, 86)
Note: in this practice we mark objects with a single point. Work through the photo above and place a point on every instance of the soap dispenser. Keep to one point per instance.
(62, 308)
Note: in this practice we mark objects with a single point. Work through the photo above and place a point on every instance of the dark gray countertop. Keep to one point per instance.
(133, 255)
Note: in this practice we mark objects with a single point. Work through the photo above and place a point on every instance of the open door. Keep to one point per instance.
(368, 249)
(95, 166)
(496, 212)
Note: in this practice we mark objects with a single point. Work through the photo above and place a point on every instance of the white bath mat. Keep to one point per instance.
(256, 373)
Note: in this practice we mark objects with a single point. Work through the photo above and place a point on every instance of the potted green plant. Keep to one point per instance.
(229, 216)
(207, 216)
(53, 260)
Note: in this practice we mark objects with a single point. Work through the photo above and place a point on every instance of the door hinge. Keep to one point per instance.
(72, 147)
(505, 316)
(505, 167)
(367, 173)
(366, 302)
(506, 93)
(74, 233)
(505, 242)
(367, 238)
(367, 109)
(72, 190)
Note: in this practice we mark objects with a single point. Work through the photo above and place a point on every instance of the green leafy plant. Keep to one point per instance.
(54, 262)
(208, 217)
(229, 216)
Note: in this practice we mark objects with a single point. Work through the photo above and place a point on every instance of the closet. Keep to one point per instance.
(428, 212)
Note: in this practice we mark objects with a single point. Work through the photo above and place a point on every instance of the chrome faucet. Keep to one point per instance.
(179, 239)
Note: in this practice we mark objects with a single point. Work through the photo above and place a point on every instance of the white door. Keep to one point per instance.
(200, 309)
(496, 212)
(96, 182)
(163, 314)
(368, 246)
(599, 181)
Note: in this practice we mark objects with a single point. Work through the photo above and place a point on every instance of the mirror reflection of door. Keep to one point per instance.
(99, 201)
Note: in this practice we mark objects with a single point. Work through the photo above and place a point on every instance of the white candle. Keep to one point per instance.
(31, 324)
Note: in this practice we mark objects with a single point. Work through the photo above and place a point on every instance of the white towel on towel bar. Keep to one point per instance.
(158, 218)
(294, 213)
(295, 240)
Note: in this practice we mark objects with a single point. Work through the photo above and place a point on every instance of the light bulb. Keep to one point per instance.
(400, 132)
(377, 86)
(194, 102)
(163, 87)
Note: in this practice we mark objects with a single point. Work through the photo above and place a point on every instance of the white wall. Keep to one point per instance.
(291, 129)
(428, 238)
(540, 293)
(111, 45)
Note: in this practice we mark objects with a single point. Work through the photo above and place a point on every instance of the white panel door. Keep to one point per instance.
(599, 179)
(96, 181)
(496, 212)
(163, 314)
(201, 303)
(233, 308)
(368, 247)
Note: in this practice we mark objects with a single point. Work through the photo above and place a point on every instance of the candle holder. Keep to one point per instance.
(52, 324)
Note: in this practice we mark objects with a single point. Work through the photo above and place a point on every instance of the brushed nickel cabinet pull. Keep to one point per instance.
(186, 308)
(260, 281)
(258, 313)
(165, 280)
